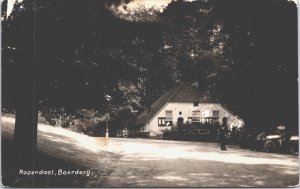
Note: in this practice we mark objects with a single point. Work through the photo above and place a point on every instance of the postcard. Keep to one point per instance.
(149, 93)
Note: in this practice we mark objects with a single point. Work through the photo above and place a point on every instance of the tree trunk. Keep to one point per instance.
(25, 133)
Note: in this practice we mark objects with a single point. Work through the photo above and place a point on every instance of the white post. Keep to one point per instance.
(106, 133)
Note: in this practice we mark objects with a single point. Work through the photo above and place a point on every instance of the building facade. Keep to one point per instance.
(184, 104)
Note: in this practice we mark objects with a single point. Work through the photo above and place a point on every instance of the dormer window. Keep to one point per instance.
(215, 113)
(196, 113)
(196, 103)
(169, 113)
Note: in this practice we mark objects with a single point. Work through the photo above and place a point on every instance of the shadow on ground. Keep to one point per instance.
(55, 155)
(156, 163)
(146, 163)
(135, 172)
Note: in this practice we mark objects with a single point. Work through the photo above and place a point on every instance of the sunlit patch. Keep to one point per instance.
(7, 120)
(140, 181)
(200, 174)
(139, 10)
(57, 140)
(260, 183)
(66, 136)
(170, 178)
(10, 6)
(295, 1)
(137, 150)
(244, 185)
(158, 151)
(290, 172)
(66, 150)
(131, 177)
(180, 184)
(81, 140)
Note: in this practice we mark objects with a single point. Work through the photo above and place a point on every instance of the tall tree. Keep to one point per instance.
(40, 38)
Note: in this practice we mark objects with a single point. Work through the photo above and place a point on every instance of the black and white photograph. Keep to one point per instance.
(149, 93)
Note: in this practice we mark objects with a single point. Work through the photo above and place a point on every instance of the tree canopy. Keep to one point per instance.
(242, 53)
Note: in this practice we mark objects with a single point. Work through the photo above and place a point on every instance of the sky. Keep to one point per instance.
(135, 4)
(127, 11)
(148, 3)
(10, 6)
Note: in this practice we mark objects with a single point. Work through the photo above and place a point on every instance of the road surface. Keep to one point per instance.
(159, 163)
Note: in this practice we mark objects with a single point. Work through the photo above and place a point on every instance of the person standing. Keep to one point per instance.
(180, 119)
(222, 137)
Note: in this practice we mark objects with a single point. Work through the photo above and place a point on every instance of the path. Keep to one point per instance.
(160, 163)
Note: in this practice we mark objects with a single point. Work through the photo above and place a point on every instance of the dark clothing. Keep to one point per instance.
(222, 138)
(180, 121)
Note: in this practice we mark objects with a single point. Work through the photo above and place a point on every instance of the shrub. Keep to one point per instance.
(86, 121)
(52, 116)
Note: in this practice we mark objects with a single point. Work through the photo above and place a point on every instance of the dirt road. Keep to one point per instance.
(156, 163)
(159, 163)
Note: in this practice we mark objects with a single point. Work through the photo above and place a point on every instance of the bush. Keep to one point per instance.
(86, 121)
(52, 116)
(83, 120)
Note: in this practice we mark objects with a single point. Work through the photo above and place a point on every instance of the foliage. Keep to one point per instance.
(245, 59)
(85, 121)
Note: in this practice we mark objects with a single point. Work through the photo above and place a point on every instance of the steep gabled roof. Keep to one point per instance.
(188, 93)
(181, 93)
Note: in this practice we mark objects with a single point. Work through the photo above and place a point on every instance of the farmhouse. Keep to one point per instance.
(184, 104)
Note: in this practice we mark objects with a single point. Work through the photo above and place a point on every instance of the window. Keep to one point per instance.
(161, 121)
(196, 103)
(209, 120)
(169, 121)
(168, 113)
(195, 116)
(196, 113)
(165, 121)
(194, 119)
(216, 113)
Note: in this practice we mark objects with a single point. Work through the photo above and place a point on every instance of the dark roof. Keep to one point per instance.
(181, 93)
(188, 93)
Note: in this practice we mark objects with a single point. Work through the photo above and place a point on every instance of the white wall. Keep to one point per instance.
(206, 110)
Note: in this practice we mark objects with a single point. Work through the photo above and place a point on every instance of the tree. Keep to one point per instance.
(39, 38)
(72, 53)
(264, 45)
